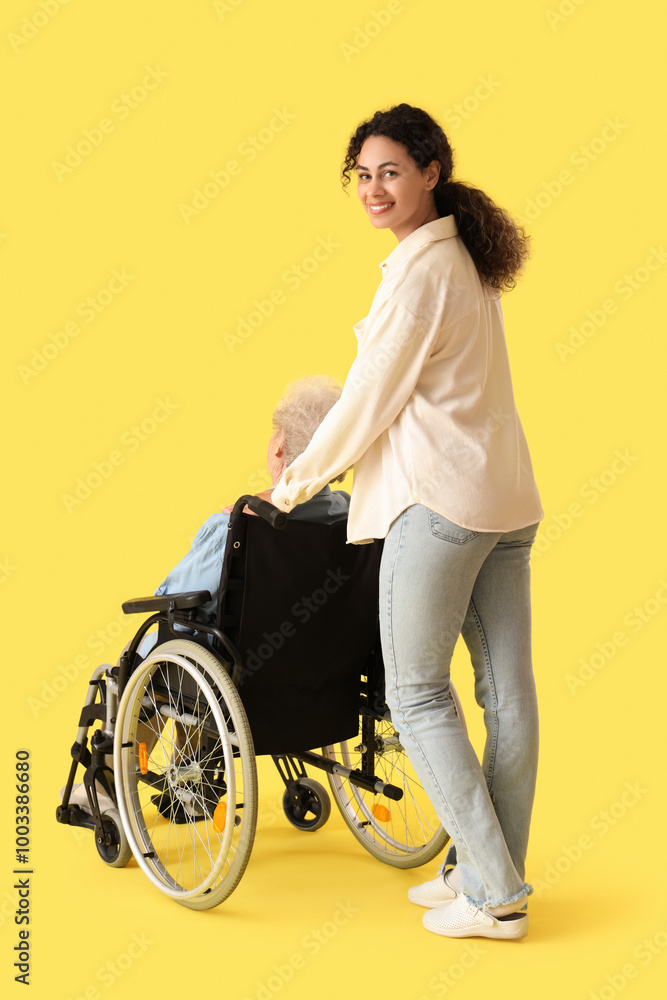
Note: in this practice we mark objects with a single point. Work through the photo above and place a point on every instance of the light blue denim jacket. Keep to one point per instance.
(200, 569)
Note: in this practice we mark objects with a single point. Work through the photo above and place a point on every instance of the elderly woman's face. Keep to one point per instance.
(395, 193)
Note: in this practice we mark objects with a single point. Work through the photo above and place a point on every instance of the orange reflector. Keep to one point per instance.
(381, 812)
(220, 816)
(143, 758)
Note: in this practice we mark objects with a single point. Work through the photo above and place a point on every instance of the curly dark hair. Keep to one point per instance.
(497, 245)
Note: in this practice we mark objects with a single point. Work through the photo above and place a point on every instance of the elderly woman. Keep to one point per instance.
(295, 419)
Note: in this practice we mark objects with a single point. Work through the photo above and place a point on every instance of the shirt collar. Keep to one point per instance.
(439, 229)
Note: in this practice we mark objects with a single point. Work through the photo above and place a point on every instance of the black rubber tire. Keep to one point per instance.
(118, 852)
(313, 807)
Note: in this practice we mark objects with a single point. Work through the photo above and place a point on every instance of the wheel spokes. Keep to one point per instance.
(395, 828)
(183, 757)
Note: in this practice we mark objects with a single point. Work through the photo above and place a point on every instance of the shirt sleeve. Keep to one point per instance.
(200, 568)
(392, 351)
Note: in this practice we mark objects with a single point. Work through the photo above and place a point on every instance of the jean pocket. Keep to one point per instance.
(442, 527)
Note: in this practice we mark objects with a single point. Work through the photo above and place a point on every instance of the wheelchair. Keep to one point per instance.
(291, 660)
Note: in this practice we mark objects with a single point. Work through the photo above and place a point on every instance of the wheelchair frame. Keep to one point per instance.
(185, 681)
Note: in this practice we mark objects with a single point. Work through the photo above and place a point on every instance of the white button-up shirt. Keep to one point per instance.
(427, 412)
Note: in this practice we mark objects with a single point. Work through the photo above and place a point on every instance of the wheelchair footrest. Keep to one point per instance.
(178, 812)
(75, 816)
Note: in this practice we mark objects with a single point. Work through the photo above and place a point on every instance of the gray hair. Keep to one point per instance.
(300, 412)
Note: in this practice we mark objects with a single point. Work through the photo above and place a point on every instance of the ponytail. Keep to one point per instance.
(497, 245)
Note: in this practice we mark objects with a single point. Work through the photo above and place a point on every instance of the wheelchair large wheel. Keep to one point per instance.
(186, 774)
(404, 834)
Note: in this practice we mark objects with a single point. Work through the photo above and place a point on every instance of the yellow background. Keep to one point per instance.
(219, 74)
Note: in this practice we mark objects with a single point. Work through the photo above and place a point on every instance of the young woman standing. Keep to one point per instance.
(442, 472)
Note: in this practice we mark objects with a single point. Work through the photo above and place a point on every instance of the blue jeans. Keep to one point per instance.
(438, 581)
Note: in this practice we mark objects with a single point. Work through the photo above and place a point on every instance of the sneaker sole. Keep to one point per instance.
(512, 933)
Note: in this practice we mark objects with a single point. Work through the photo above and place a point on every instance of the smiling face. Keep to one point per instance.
(395, 193)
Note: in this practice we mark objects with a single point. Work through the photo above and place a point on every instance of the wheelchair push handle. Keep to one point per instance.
(276, 518)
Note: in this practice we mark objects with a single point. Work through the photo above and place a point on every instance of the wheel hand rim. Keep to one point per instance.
(140, 837)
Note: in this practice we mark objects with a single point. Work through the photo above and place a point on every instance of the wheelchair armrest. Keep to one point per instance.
(179, 602)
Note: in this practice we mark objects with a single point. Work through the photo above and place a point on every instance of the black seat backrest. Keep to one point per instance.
(301, 605)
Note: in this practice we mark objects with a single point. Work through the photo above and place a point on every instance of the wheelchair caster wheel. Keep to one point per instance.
(309, 807)
(110, 840)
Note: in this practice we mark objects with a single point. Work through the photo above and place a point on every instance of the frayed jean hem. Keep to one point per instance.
(485, 904)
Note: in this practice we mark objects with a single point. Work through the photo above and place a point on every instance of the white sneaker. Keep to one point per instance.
(437, 892)
(79, 797)
(464, 919)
